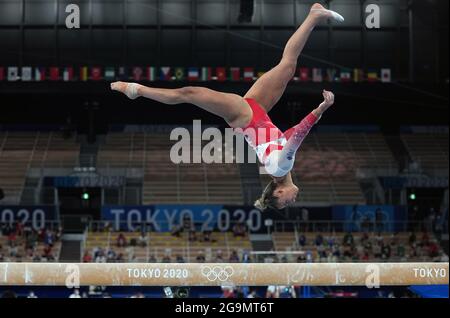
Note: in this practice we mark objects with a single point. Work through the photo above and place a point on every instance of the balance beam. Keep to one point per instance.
(235, 274)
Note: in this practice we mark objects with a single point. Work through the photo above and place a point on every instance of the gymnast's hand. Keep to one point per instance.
(328, 99)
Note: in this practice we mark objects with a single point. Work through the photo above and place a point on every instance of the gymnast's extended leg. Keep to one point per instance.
(269, 88)
(231, 107)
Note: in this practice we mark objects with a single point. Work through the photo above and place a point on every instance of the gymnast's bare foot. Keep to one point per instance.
(129, 89)
(319, 12)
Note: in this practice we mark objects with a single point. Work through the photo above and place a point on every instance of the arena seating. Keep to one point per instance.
(20, 151)
(429, 150)
(163, 244)
(327, 163)
(16, 151)
(287, 242)
(22, 255)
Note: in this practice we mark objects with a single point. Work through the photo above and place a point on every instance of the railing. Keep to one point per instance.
(352, 226)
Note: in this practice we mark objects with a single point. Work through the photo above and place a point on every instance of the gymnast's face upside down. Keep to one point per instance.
(279, 194)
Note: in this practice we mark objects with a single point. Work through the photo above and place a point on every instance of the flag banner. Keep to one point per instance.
(110, 73)
(249, 72)
(39, 74)
(151, 73)
(235, 74)
(317, 75)
(122, 73)
(96, 73)
(346, 76)
(68, 74)
(221, 74)
(372, 76)
(331, 75)
(27, 73)
(386, 75)
(137, 73)
(54, 73)
(358, 75)
(13, 73)
(193, 74)
(84, 73)
(206, 74)
(304, 74)
(165, 74)
(2, 73)
(179, 74)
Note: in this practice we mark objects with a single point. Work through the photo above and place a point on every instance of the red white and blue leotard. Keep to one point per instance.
(275, 149)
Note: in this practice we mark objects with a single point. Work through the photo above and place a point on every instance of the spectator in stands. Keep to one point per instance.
(31, 294)
(142, 240)
(100, 256)
(87, 258)
(302, 240)
(206, 236)
(111, 256)
(49, 238)
(304, 220)
(180, 259)
(433, 249)
(58, 233)
(424, 241)
(13, 251)
(228, 292)
(301, 258)
(239, 229)
(401, 250)
(330, 240)
(166, 259)
(272, 292)
(200, 257)
(36, 258)
(12, 238)
(438, 226)
(385, 251)
(192, 235)
(75, 294)
(121, 240)
(177, 230)
(19, 228)
(187, 223)
(234, 257)
(252, 294)
(377, 252)
(412, 238)
(48, 253)
(219, 257)
(365, 256)
(120, 258)
(319, 240)
(107, 227)
(7, 229)
(152, 259)
(442, 257)
(348, 239)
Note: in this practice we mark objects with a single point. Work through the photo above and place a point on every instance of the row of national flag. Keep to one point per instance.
(192, 74)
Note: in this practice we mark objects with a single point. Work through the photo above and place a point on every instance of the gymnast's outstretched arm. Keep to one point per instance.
(231, 107)
(298, 133)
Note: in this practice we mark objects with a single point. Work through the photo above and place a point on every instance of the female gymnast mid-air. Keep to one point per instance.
(276, 151)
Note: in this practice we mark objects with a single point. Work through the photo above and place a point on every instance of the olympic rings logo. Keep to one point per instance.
(215, 273)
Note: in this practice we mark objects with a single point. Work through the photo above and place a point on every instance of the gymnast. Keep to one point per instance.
(275, 150)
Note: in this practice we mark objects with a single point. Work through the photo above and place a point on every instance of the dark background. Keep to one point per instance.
(412, 41)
